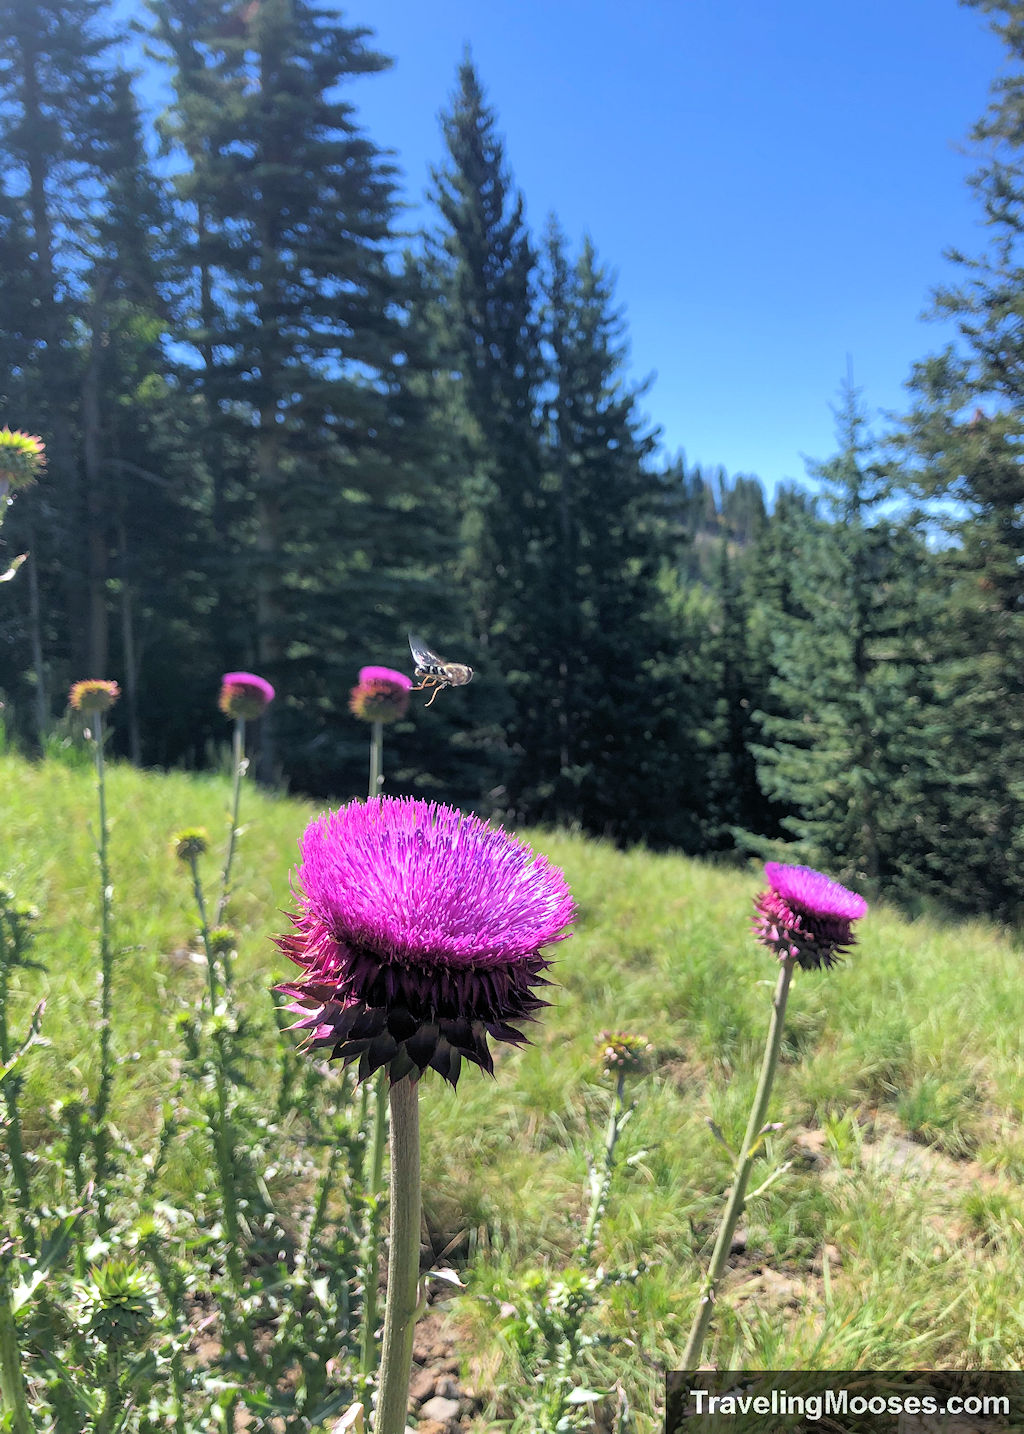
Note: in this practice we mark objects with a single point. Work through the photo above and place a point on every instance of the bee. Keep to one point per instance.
(433, 671)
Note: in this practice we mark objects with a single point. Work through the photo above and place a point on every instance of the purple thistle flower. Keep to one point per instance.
(806, 916)
(243, 694)
(382, 695)
(419, 933)
(385, 674)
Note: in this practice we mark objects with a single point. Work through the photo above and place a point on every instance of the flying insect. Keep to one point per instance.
(434, 671)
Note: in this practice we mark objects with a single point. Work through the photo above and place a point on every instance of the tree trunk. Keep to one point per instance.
(97, 556)
(128, 653)
(61, 467)
(268, 615)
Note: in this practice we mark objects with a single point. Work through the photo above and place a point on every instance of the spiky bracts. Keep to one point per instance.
(806, 916)
(420, 934)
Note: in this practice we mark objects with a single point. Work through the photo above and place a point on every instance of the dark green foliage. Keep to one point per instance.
(274, 441)
(961, 444)
(300, 348)
(973, 777)
(608, 691)
(735, 802)
(564, 533)
(490, 374)
(55, 119)
(843, 626)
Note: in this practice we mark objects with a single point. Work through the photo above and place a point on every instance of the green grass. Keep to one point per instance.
(895, 1239)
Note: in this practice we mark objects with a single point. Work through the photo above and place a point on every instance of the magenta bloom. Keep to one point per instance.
(243, 694)
(806, 916)
(382, 695)
(419, 932)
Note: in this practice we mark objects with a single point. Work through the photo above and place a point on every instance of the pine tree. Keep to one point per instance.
(301, 349)
(613, 709)
(839, 659)
(735, 803)
(55, 100)
(962, 443)
(484, 264)
(973, 798)
(124, 372)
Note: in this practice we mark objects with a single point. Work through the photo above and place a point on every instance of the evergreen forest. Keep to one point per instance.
(282, 432)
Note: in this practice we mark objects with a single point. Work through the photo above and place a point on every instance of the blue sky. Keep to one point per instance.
(774, 182)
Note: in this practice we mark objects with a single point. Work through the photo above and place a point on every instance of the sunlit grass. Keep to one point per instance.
(895, 1238)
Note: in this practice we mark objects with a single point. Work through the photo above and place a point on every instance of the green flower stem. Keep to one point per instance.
(601, 1180)
(204, 927)
(13, 1393)
(11, 1086)
(222, 1124)
(111, 1383)
(737, 1195)
(403, 1260)
(101, 1132)
(240, 767)
(375, 1207)
(376, 759)
(375, 1181)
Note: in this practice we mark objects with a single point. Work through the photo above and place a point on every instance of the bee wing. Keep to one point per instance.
(422, 655)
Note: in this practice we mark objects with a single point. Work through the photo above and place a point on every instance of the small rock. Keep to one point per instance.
(829, 1254)
(440, 1409)
(448, 1387)
(423, 1384)
(739, 1242)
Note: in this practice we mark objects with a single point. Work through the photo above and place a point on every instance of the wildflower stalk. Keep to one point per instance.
(376, 758)
(101, 1134)
(13, 1391)
(403, 1260)
(240, 767)
(374, 1185)
(600, 1180)
(374, 1193)
(192, 858)
(14, 939)
(748, 1150)
(13, 1394)
(190, 845)
(222, 1130)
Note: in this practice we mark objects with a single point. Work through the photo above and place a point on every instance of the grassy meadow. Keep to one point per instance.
(894, 1239)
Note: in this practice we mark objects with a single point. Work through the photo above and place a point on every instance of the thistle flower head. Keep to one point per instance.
(117, 1302)
(243, 694)
(22, 459)
(419, 933)
(806, 916)
(94, 696)
(191, 843)
(223, 940)
(621, 1051)
(381, 695)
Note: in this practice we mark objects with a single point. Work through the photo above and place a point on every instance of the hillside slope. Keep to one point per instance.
(894, 1239)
